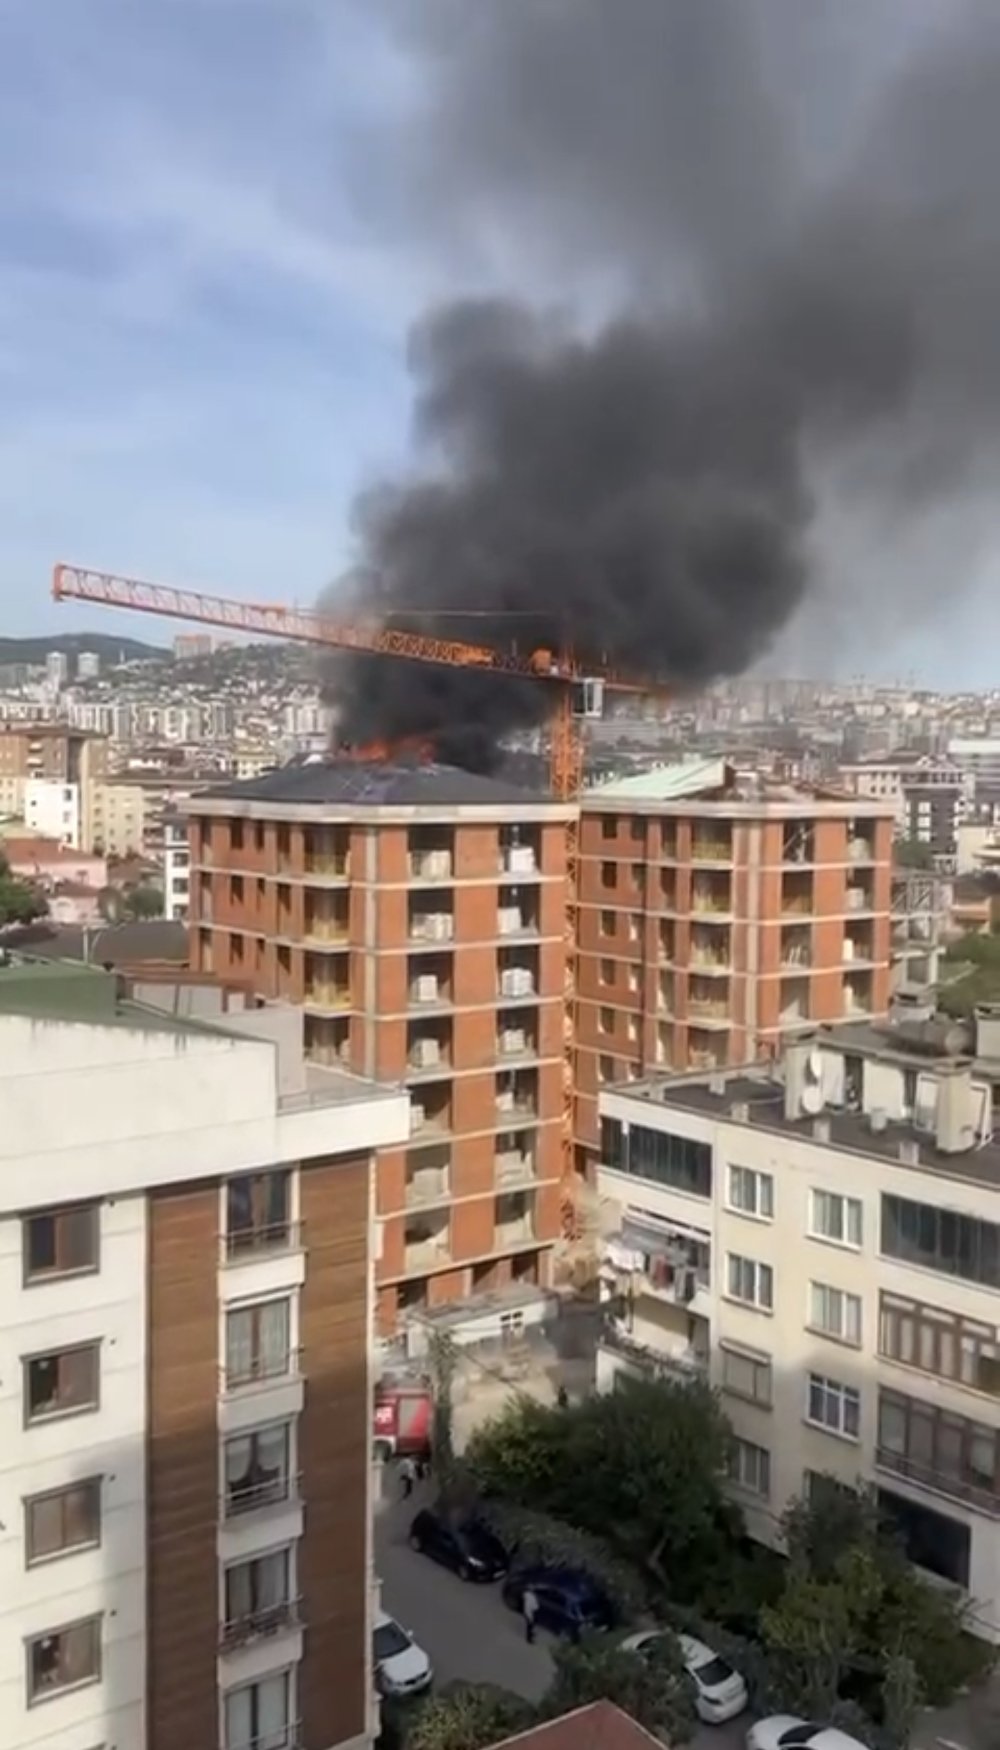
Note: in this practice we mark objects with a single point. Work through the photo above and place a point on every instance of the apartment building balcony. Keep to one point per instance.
(265, 1622)
(323, 929)
(860, 896)
(706, 1050)
(798, 842)
(328, 996)
(426, 1241)
(512, 1168)
(709, 846)
(428, 923)
(860, 848)
(257, 1471)
(621, 1351)
(796, 947)
(252, 1366)
(711, 950)
(663, 896)
(517, 1093)
(708, 1002)
(430, 1112)
(859, 945)
(858, 995)
(794, 1001)
(517, 979)
(428, 1049)
(664, 1260)
(517, 913)
(521, 852)
(430, 982)
(327, 855)
(666, 944)
(428, 1177)
(258, 1220)
(514, 1039)
(797, 898)
(430, 865)
(513, 1219)
(711, 895)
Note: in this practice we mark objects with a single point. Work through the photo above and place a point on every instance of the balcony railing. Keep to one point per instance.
(987, 1500)
(261, 1370)
(243, 1245)
(513, 1168)
(685, 1364)
(287, 1737)
(257, 1491)
(712, 850)
(270, 1619)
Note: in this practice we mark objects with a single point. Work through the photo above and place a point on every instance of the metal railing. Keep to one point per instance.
(271, 1619)
(958, 1488)
(257, 1492)
(262, 1370)
(288, 1737)
(244, 1245)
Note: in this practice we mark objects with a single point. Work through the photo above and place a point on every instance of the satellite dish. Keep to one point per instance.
(814, 1063)
(812, 1099)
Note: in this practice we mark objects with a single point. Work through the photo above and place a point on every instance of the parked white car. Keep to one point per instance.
(720, 1692)
(401, 1667)
(788, 1732)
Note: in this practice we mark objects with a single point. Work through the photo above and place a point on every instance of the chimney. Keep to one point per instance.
(956, 1129)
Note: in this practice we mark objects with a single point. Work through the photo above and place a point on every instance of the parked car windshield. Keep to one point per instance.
(388, 1641)
(713, 1672)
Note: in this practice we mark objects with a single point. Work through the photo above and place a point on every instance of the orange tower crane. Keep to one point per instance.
(578, 694)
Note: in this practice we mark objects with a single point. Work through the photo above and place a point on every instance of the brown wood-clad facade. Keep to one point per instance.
(334, 1452)
(183, 1468)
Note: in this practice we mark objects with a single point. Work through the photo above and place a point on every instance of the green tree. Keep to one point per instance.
(467, 1716)
(642, 1466)
(912, 854)
(817, 1531)
(19, 903)
(902, 1696)
(653, 1686)
(816, 1630)
(142, 902)
(443, 1361)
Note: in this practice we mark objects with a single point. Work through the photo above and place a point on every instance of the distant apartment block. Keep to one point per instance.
(418, 915)
(184, 1375)
(821, 1240)
(176, 868)
(717, 917)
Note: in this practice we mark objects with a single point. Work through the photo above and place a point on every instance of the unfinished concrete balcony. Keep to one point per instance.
(665, 994)
(708, 1001)
(428, 1048)
(513, 1161)
(858, 995)
(797, 898)
(665, 1056)
(711, 844)
(517, 1093)
(514, 1037)
(328, 1042)
(517, 973)
(327, 854)
(431, 918)
(327, 919)
(860, 895)
(327, 982)
(794, 996)
(668, 841)
(798, 842)
(428, 1177)
(711, 894)
(430, 981)
(711, 949)
(520, 850)
(706, 1050)
(860, 843)
(513, 1219)
(430, 1111)
(517, 911)
(663, 893)
(426, 1240)
(859, 944)
(796, 947)
(431, 853)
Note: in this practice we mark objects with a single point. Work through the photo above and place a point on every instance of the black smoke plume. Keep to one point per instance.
(640, 486)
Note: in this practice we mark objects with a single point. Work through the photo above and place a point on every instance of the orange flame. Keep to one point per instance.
(411, 747)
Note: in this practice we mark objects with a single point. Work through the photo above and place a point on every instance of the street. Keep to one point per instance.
(466, 1630)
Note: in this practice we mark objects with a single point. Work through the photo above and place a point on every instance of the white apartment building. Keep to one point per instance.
(822, 1241)
(176, 868)
(52, 811)
(185, 1399)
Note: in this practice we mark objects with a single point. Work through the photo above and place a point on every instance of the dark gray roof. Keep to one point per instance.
(105, 944)
(376, 783)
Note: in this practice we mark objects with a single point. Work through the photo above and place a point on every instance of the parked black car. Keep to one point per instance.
(570, 1602)
(465, 1546)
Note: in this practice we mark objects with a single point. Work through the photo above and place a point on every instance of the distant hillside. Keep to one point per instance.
(109, 649)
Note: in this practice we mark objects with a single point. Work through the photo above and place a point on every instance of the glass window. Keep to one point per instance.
(257, 1468)
(942, 1240)
(613, 1153)
(63, 1383)
(65, 1659)
(62, 1520)
(60, 1242)
(258, 1342)
(933, 1541)
(834, 1312)
(750, 1467)
(833, 1217)
(678, 1161)
(258, 1211)
(257, 1595)
(833, 1406)
(939, 1342)
(941, 1450)
(258, 1715)
(746, 1374)
(749, 1281)
(751, 1193)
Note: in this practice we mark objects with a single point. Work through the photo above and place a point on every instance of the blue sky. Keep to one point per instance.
(202, 327)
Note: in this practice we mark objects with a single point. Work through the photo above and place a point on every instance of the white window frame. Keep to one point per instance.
(290, 1674)
(834, 1393)
(751, 1460)
(762, 1368)
(761, 1206)
(761, 1275)
(840, 1333)
(847, 1204)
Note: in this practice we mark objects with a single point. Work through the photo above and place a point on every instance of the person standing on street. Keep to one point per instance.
(529, 1605)
(407, 1475)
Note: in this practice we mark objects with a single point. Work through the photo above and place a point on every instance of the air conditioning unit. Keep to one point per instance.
(513, 1039)
(509, 920)
(426, 988)
(521, 860)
